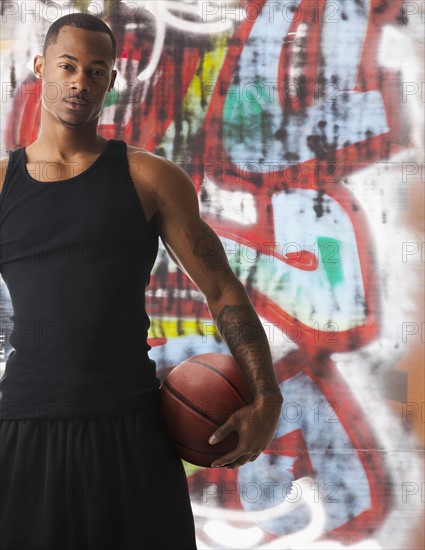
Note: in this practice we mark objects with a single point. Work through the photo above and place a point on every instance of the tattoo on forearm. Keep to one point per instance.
(211, 252)
(238, 325)
(247, 341)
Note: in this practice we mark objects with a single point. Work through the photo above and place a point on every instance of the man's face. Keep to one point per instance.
(85, 76)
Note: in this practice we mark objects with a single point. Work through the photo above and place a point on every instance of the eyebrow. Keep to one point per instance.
(95, 61)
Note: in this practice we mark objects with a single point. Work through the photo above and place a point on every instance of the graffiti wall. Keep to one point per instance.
(300, 123)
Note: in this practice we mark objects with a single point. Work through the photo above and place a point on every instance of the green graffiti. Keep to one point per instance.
(111, 98)
(330, 254)
(245, 115)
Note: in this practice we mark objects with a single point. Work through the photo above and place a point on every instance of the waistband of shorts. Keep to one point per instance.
(89, 410)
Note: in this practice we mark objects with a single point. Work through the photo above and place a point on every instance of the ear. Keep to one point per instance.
(113, 77)
(38, 66)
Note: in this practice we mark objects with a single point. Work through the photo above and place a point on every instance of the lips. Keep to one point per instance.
(75, 100)
(76, 104)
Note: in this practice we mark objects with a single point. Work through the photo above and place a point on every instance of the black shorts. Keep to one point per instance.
(112, 482)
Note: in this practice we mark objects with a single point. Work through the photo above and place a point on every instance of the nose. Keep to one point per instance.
(81, 84)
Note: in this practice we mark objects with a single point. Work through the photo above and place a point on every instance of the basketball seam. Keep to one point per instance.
(177, 394)
(222, 376)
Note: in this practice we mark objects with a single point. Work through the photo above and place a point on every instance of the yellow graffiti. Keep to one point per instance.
(175, 328)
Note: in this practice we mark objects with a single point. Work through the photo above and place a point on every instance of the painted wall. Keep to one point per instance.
(300, 123)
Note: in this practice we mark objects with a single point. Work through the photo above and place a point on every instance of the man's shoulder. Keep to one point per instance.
(132, 149)
(140, 155)
(164, 180)
(155, 170)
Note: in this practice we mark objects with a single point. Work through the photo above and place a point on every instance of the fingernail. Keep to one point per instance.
(212, 439)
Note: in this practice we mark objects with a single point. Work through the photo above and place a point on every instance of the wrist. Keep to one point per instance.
(269, 397)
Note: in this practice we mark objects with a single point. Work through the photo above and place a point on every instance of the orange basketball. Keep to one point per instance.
(197, 397)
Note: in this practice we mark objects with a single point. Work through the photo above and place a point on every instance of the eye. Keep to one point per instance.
(64, 65)
(99, 73)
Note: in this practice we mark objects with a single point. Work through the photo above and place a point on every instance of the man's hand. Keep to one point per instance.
(255, 425)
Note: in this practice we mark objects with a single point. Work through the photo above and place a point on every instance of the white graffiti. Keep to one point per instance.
(208, 22)
(238, 206)
(220, 531)
(252, 93)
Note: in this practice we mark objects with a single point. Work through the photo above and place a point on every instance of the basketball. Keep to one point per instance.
(197, 397)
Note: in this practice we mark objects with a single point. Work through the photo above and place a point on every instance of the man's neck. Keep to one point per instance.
(64, 143)
(68, 146)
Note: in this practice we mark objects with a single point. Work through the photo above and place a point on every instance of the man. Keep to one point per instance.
(78, 60)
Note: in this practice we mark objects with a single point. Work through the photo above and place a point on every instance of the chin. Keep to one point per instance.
(70, 124)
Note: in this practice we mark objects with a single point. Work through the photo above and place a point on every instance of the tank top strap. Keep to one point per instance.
(120, 150)
(107, 162)
(105, 168)
(118, 159)
(111, 170)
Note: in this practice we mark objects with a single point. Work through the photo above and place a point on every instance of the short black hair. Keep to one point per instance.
(84, 21)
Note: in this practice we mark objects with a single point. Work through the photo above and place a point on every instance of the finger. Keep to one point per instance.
(239, 462)
(234, 465)
(222, 431)
(254, 457)
(222, 461)
(229, 458)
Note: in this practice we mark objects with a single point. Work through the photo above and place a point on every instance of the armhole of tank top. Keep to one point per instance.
(7, 177)
(130, 183)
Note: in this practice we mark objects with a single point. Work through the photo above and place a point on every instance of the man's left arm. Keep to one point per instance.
(198, 251)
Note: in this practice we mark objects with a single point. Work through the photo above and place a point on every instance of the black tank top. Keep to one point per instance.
(76, 256)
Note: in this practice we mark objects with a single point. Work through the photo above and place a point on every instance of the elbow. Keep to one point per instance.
(231, 292)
